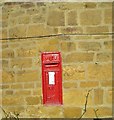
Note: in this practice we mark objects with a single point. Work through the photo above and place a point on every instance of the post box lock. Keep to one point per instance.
(51, 78)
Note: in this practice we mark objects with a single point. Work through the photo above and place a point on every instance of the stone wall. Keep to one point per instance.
(86, 57)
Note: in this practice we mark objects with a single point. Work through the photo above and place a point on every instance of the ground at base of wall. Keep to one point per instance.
(58, 119)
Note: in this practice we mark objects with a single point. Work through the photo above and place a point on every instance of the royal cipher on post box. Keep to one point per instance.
(52, 78)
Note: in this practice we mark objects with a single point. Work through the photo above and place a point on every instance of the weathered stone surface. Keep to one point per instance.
(86, 57)
(108, 16)
(27, 5)
(56, 18)
(105, 4)
(27, 76)
(105, 111)
(21, 63)
(23, 92)
(89, 84)
(50, 112)
(26, 52)
(70, 85)
(17, 86)
(19, 31)
(72, 18)
(78, 97)
(108, 45)
(99, 29)
(109, 96)
(33, 100)
(79, 57)
(8, 53)
(68, 46)
(71, 30)
(8, 77)
(90, 5)
(35, 30)
(70, 112)
(104, 57)
(89, 46)
(98, 96)
(12, 100)
(90, 17)
(24, 19)
(5, 63)
(74, 72)
(106, 83)
(99, 72)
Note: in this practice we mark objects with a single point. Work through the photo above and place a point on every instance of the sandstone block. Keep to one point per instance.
(32, 111)
(89, 84)
(24, 20)
(33, 100)
(27, 76)
(90, 17)
(72, 112)
(90, 113)
(105, 4)
(70, 6)
(12, 100)
(76, 97)
(105, 111)
(21, 63)
(50, 112)
(17, 109)
(109, 96)
(108, 45)
(5, 86)
(19, 31)
(35, 30)
(9, 92)
(99, 72)
(3, 33)
(68, 46)
(71, 30)
(70, 85)
(23, 92)
(27, 5)
(13, 22)
(72, 18)
(32, 11)
(98, 96)
(5, 63)
(106, 83)
(75, 72)
(108, 16)
(29, 85)
(16, 86)
(56, 18)
(99, 29)
(90, 5)
(39, 18)
(26, 52)
(79, 57)
(89, 46)
(17, 13)
(7, 53)
(7, 77)
(104, 57)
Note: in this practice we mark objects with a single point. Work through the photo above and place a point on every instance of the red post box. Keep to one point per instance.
(51, 78)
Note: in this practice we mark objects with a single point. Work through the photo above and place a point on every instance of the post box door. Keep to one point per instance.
(52, 93)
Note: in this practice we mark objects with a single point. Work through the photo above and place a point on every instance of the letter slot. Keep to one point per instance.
(51, 78)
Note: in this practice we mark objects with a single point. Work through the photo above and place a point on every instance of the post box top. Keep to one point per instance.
(51, 57)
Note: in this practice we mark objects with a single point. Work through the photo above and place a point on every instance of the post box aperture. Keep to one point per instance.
(51, 78)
